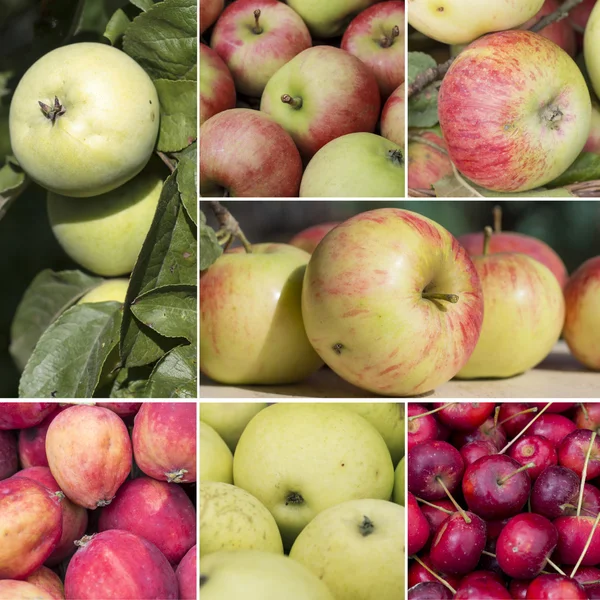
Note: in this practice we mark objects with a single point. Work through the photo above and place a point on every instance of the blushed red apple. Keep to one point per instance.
(217, 90)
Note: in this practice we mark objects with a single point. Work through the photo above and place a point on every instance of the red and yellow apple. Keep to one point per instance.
(209, 12)
(593, 141)
(217, 90)
(392, 117)
(427, 158)
(309, 238)
(560, 32)
(591, 48)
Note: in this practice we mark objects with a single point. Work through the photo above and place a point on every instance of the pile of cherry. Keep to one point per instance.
(503, 501)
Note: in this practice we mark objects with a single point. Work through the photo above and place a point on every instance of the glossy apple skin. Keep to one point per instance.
(553, 427)
(488, 432)
(369, 37)
(481, 589)
(588, 419)
(573, 450)
(464, 416)
(518, 588)
(586, 574)
(434, 516)
(269, 165)
(309, 238)
(555, 587)
(516, 424)
(9, 458)
(473, 451)
(254, 333)
(420, 430)
(353, 315)
(536, 449)
(339, 96)
(524, 312)
(582, 323)
(418, 526)
(21, 415)
(559, 32)
(551, 103)
(209, 12)
(573, 533)
(254, 57)
(429, 590)
(508, 241)
(217, 90)
(555, 407)
(554, 487)
(393, 117)
(426, 164)
(418, 574)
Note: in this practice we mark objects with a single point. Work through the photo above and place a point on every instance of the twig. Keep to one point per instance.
(558, 15)
(166, 160)
(230, 228)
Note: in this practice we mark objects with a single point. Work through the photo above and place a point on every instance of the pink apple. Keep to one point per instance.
(514, 110)
(245, 153)
(376, 36)
(593, 141)
(392, 117)
(257, 37)
(209, 12)
(392, 303)
(308, 238)
(427, 162)
(560, 32)
(580, 15)
(322, 94)
(582, 324)
(217, 91)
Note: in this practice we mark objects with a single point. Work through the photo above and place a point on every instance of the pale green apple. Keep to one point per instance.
(97, 123)
(357, 549)
(360, 165)
(388, 419)
(299, 459)
(591, 47)
(399, 486)
(328, 18)
(256, 575)
(111, 290)
(233, 519)
(216, 460)
(105, 234)
(229, 419)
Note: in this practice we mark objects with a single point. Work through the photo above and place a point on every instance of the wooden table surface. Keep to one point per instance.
(559, 376)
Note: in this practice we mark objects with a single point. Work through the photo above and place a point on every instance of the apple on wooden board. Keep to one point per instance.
(216, 460)
(392, 302)
(309, 238)
(591, 47)
(427, 158)
(209, 12)
(560, 32)
(376, 36)
(217, 90)
(582, 323)
(251, 328)
(524, 312)
(593, 141)
(393, 118)
(514, 111)
(244, 152)
(462, 21)
(322, 94)
(257, 37)
(359, 165)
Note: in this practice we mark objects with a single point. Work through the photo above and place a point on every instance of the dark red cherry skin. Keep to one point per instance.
(430, 461)
(487, 495)
(573, 450)
(590, 506)
(518, 588)
(457, 545)
(573, 533)
(434, 516)
(516, 424)
(489, 431)
(464, 416)
(429, 590)
(536, 449)
(553, 427)
(422, 429)
(419, 574)
(418, 526)
(481, 589)
(555, 587)
(587, 416)
(525, 544)
(475, 450)
(553, 488)
(555, 407)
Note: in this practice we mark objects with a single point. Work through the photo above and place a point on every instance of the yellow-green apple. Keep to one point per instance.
(376, 36)
(251, 329)
(233, 519)
(582, 322)
(209, 12)
(427, 158)
(256, 575)
(229, 419)
(462, 21)
(514, 110)
(524, 312)
(357, 549)
(216, 460)
(308, 238)
(593, 141)
(322, 94)
(398, 495)
(111, 290)
(246, 153)
(580, 15)
(360, 165)
(560, 32)
(392, 302)
(392, 117)
(299, 459)
(591, 47)
(257, 37)
(217, 90)
(328, 19)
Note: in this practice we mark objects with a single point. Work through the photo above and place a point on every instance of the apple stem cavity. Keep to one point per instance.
(463, 514)
(257, 29)
(294, 498)
(584, 472)
(525, 429)
(445, 510)
(497, 212)
(585, 548)
(388, 40)
(432, 572)
(430, 412)
(367, 526)
(295, 103)
(529, 465)
(52, 112)
(452, 298)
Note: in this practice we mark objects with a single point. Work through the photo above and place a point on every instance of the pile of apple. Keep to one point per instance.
(301, 501)
(322, 75)
(503, 501)
(514, 108)
(80, 519)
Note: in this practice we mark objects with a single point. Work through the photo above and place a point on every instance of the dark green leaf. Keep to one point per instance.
(210, 249)
(417, 63)
(143, 4)
(175, 375)
(116, 27)
(129, 383)
(187, 173)
(178, 110)
(585, 168)
(422, 107)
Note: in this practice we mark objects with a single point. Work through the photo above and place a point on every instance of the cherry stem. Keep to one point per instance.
(529, 465)
(293, 102)
(523, 412)
(556, 567)
(585, 548)
(257, 28)
(432, 572)
(430, 412)
(387, 40)
(463, 514)
(584, 473)
(497, 212)
(524, 429)
(487, 238)
(452, 298)
(445, 510)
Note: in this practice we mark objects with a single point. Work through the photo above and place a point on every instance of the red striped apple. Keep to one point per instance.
(514, 111)
(376, 36)
(257, 37)
(582, 323)
(428, 160)
(209, 12)
(591, 48)
(392, 117)
(308, 238)
(392, 302)
(217, 90)
(322, 94)
(246, 153)
(560, 32)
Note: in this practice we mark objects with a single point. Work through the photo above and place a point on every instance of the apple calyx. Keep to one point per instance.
(396, 157)
(295, 103)
(552, 115)
(102, 503)
(387, 40)
(84, 541)
(54, 111)
(367, 527)
(337, 348)
(257, 29)
(203, 579)
(294, 498)
(176, 476)
(452, 298)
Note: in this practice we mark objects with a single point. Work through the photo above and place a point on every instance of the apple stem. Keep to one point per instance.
(524, 429)
(53, 112)
(488, 553)
(257, 29)
(556, 567)
(463, 514)
(293, 102)
(487, 238)
(452, 298)
(523, 412)
(387, 40)
(585, 412)
(584, 510)
(448, 512)
(230, 228)
(594, 582)
(584, 472)
(496, 414)
(430, 412)
(431, 572)
(497, 212)
(529, 465)
(585, 548)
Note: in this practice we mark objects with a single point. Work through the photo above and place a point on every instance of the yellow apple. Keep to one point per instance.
(398, 495)
(113, 290)
(591, 47)
(216, 459)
